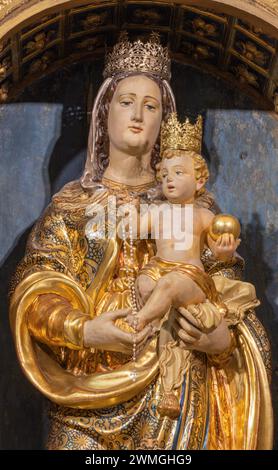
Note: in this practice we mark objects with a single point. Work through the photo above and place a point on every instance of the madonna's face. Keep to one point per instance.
(135, 115)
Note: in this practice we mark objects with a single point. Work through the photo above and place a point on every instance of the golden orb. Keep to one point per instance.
(224, 223)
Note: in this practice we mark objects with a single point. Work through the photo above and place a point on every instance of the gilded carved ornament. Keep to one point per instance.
(269, 6)
(200, 50)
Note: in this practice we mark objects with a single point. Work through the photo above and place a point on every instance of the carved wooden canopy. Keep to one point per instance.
(234, 40)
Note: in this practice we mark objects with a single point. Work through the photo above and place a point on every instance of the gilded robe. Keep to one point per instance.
(64, 280)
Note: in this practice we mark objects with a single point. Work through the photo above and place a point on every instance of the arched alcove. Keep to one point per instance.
(236, 40)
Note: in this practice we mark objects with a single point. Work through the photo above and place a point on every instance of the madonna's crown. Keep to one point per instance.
(138, 56)
(181, 136)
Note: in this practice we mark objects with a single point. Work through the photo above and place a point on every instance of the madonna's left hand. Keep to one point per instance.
(193, 338)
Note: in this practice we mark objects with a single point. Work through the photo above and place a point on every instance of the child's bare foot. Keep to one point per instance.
(136, 322)
(131, 319)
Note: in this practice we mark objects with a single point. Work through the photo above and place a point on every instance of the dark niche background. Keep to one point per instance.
(43, 140)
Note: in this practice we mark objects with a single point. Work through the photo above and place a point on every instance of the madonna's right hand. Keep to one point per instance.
(102, 333)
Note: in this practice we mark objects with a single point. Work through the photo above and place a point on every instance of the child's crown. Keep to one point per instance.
(181, 136)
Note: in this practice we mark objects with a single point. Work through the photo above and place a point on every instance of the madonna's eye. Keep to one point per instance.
(178, 172)
(126, 103)
(164, 175)
(150, 107)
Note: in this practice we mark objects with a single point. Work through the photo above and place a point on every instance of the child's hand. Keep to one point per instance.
(225, 247)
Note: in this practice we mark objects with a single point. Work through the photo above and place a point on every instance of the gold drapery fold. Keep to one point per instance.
(52, 320)
(240, 397)
(240, 390)
(95, 391)
(226, 407)
(237, 394)
(262, 404)
(238, 296)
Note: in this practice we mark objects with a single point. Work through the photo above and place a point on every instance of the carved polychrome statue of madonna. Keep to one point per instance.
(71, 294)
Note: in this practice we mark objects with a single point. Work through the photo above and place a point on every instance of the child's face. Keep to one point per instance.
(179, 184)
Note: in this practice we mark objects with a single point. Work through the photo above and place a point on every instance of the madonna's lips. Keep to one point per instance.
(135, 129)
(170, 186)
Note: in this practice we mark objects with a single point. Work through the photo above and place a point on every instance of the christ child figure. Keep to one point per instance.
(175, 277)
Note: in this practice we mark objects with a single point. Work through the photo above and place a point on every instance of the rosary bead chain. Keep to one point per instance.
(131, 283)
